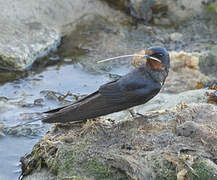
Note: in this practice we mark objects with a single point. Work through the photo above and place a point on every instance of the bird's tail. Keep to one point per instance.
(33, 116)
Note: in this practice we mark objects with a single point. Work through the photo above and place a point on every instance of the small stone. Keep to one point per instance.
(68, 139)
(208, 62)
(176, 36)
(187, 129)
(2, 126)
(39, 102)
(192, 62)
(162, 21)
(67, 60)
(184, 59)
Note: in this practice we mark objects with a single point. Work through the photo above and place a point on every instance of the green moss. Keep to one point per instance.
(55, 168)
(68, 163)
(98, 170)
(203, 171)
(73, 162)
(164, 170)
(212, 8)
(77, 163)
(212, 12)
(168, 174)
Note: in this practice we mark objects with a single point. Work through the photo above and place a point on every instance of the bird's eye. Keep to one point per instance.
(161, 55)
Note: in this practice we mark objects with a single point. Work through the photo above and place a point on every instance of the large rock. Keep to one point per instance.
(176, 143)
(184, 73)
(21, 44)
(168, 142)
(29, 29)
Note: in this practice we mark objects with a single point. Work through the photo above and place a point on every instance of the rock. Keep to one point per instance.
(136, 8)
(183, 10)
(147, 10)
(98, 37)
(208, 63)
(197, 132)
(41, 175)
(2, 126)
(162, 21)
(188, 129)
(184, 59)
(184, 79)
(176, 36)
(184, 72)
(29, 29)
(137, 148)
(21, 44)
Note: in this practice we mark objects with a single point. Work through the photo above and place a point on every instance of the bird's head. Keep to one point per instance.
(157, 58)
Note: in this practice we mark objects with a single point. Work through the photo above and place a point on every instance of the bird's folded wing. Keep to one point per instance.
(129, 87)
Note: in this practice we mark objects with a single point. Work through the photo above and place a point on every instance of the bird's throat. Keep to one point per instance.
(154, 64)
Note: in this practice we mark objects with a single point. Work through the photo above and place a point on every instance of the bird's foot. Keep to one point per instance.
(135, 114)
(132, 113)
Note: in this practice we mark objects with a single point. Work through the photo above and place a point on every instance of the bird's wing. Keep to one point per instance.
(131, 86)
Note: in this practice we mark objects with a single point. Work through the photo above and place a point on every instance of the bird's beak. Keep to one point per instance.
(149, 53)
(152, 58)
(143, 57)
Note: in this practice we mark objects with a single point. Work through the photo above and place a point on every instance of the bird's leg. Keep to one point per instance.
(132, 113)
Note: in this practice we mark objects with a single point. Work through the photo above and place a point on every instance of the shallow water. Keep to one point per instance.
(12, 148)
(37, 92)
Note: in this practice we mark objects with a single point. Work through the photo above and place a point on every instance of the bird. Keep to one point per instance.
(135, 88)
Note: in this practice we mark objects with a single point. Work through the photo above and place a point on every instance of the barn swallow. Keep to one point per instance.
(135, 88)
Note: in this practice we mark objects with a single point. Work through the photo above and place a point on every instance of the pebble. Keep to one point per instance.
(176, 36)
(184, 59)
